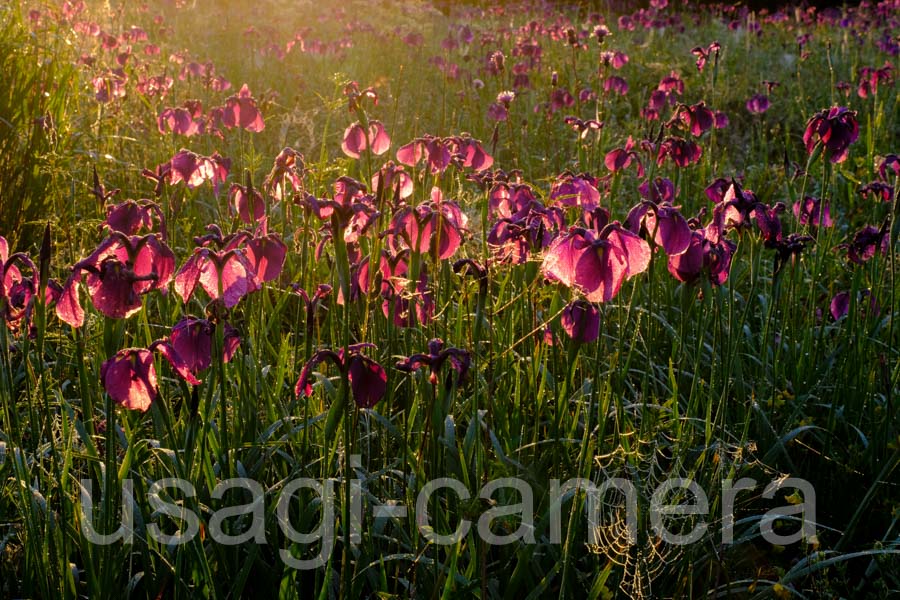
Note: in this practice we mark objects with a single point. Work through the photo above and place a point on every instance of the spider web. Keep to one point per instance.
(646, 462)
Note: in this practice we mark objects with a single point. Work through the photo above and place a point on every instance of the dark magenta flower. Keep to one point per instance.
(119, 271)
(596, 264)
(682, 152)
(708, 253)
(813, 211)
(758, 104)
(866, 242)
(357, 139)
(530, 229)
(436, 357)
(368, 380)
(189, 346)
(835, 129)
(130, 217)
(662, 189)
(736, 206)
(575, 190)
(662, 222)
(788, 248)
(696, 118)
(241, 111)
(581, 321)
(878, 190)
(434, 227)
(621, 158)
(889, 167)
(227, 275)
(703, 54)
(18, 290)
(129, 378)
(768, 222)
(716, 190)
(840, 304)
(247, 203)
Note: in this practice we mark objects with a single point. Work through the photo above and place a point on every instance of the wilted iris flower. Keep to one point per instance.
(289, 169)
(703, 54)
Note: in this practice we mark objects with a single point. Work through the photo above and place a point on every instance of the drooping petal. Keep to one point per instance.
(129, 378)
(379, 140)
(267, 255)
(178, 363)
(368, 380)
(354, 141)
(189, 274)
(238, 279)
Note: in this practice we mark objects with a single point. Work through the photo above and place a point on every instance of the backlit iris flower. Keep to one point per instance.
(357, 139)
(596, 264)
(118, 273)
(240, 110)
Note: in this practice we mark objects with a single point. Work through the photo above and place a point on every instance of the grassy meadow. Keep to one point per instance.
(277, 278)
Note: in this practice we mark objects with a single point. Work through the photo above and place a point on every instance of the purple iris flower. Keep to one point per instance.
(368, 379)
